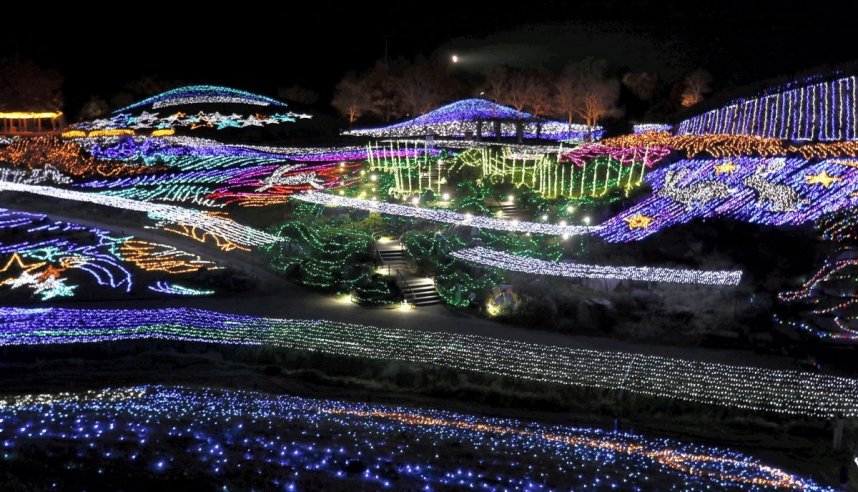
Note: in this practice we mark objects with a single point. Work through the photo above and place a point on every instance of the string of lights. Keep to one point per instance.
(477, 117)
(126, 124)
(167, 213)
(772, 191)
(638, 128)
(65, 157)
(165, 287)
(162, 258)
(202, 94)
(286, 442)
(749, 388)
(444, 216)
(506, 261)
(821, 111)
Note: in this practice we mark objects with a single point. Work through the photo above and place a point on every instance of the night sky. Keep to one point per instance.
(248, 47)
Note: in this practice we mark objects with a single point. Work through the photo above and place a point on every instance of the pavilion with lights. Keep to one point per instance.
(28, 123)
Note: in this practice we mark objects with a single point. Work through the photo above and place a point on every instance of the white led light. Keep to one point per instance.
(167, 213)
(443, 215)
(506, 261)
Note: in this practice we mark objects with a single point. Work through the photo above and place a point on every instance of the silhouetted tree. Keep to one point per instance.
(517, 85)
(539, 96)
(496, 84)
(141, 88)
(94, 108)
(423, 86)
(25, 86)
(352, 98)
(298, 94)
(585, 91)
(641, 84)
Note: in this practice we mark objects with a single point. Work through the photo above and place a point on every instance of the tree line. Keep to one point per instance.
(585, 91)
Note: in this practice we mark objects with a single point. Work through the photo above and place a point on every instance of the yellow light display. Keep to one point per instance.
(638, 221)
(726, 168)
(117, 132)
(73, 134)
(163, 132)
(29, 115)
(718, 145)
(822, 178)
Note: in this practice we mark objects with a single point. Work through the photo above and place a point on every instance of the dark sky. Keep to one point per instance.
(257, 48)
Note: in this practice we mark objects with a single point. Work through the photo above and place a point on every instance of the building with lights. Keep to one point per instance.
(478, 119)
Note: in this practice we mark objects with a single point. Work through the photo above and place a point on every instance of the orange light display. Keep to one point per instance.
(671, 458)
(67, 157)
(734, 145)
(162, 258)
(204, 237)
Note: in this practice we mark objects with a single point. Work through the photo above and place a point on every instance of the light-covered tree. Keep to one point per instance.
(697, 84)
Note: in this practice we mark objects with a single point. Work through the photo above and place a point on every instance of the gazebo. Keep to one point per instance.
(30, 123)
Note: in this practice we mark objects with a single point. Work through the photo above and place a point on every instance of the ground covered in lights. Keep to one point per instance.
(692, 238)
(216, 437)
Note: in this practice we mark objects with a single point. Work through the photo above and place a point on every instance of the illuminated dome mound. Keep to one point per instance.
(481, 118)
(202, 94)
(193, 107)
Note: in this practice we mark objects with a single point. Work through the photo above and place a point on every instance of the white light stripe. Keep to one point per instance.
(506, 261)
(445, 216)
(227, 229)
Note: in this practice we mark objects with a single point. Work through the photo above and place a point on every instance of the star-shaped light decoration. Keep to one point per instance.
(726, 168)
(638, 221)
(822, 178)
(16, 263)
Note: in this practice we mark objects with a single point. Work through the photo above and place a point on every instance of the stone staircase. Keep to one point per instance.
(509, 210)
(418, 291)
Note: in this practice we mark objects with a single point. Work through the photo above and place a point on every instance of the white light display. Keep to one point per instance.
(480, 117)
(808, 110)
(203, 94)
(167, 213)
(47, 174)
(506, 261)
(445, 216)
(750, 388)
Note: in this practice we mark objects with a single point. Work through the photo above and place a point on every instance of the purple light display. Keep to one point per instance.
(822, 111)
(462, 117)
(774, 191)
(276, 442)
